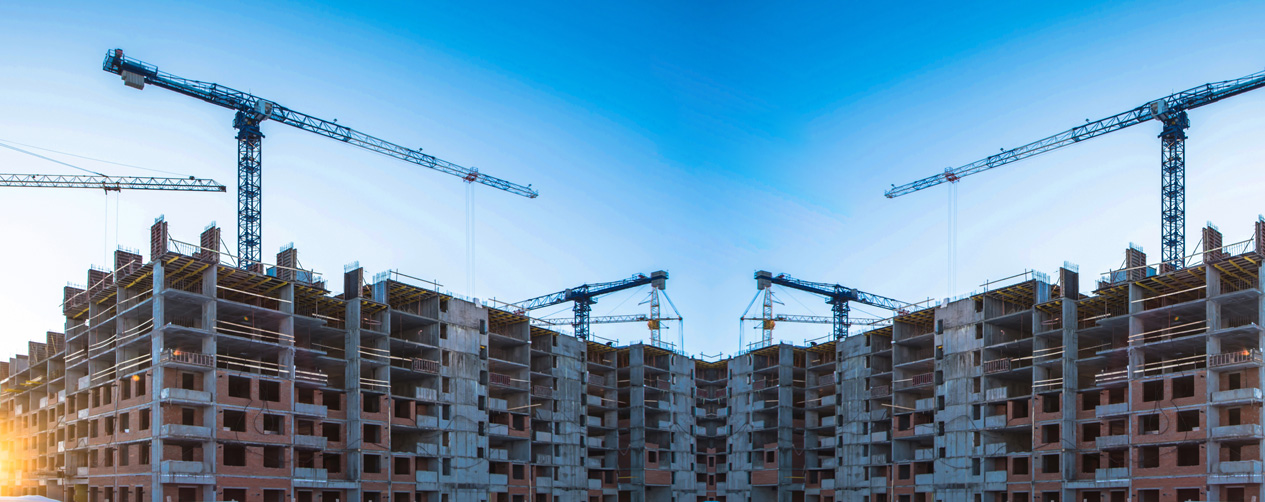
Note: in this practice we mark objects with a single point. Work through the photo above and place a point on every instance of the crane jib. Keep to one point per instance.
(227, 97)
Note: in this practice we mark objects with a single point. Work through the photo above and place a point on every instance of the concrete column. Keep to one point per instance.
(210, 345)
(1260, 342)
(1071, 381)
(1136, 294)
(355, 426)
(156, 383)
(637, 421)
(785, 418)
(1212, 381)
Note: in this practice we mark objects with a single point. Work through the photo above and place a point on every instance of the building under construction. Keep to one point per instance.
(185, 378)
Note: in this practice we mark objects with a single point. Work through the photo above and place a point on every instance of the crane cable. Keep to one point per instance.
(55, 161)
(470, 238)
(952, 277)
(85, 157)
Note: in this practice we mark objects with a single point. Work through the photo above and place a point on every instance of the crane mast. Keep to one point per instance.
(1170, 111)
(250, 112)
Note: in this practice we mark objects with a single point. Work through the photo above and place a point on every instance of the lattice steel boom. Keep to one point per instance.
(251, 112)
(110, 183)
(604, 319)
(1169, 111)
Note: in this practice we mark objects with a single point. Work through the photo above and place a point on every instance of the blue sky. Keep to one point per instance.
(709, 139)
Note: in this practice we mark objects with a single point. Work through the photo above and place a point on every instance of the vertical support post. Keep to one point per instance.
(655, 325)
(766, 314)
(1173, 191)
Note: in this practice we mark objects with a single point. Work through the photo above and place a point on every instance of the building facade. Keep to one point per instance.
(184, 378)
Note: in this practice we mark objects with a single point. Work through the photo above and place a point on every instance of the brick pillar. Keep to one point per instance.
(126, 262)
(98, 280)
(210, 244)
(1212, 245)
(158, 239)
(56, 342)
(36, 351)
(352, 282)
(287, 260)
(1134, 263)
(1259, 236)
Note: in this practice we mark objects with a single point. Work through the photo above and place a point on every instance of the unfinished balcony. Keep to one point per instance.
(180, 431)
(308, 377)
(1111, 410)
(424, 366)
(1111, 474)
(1236, 431)
(310, 410)
(427, 478)
(1109, 442)
(184, 472)
(997, 394)
(919, 381)
(184, 359)
(1111, 376)
(310, 474)
(1236, 360)
(312, 442)
(1237, 396)
(185, 396)
(507, 382)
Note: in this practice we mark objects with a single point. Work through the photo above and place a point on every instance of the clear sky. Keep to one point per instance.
(711, 139)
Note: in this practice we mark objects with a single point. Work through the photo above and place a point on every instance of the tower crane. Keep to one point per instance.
(654, 321)
(585, 295)
(1169, 111)
(836, 296)
(251, 112)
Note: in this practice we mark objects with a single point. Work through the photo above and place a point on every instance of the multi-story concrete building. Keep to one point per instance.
(184, 378)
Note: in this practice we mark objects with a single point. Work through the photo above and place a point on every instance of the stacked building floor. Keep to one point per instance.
(183, 378)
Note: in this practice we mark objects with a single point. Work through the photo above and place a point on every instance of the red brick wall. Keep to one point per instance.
(254, 487)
